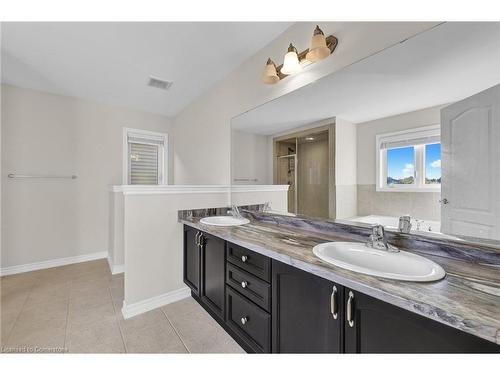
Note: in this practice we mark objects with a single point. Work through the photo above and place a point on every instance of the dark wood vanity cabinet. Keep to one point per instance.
(374, 326)
(268, 306)
(213, 262)
(204, 268)
(307, 312)
(250, 323)
(192, 257)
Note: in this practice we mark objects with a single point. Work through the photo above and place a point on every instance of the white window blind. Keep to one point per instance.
(410, 142)
(411, 137)
(145, 153)
(143, 164)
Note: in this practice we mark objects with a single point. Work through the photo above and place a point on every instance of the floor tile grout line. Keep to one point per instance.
(175, 330)
(67, 316)
(118, 321)
(19, 314)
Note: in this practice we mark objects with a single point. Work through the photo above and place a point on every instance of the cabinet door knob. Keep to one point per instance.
(444, 201)
(349, 314)
(244, 284)
(333, 303)
(244, 320)
(244, 258)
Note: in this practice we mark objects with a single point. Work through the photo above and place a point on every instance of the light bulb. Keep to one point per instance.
(291, 61)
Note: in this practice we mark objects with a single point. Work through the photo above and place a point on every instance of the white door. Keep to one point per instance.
(470, 153)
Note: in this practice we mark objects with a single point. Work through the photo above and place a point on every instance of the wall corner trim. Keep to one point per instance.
(52, 263)
(115, 268)
(136, 308)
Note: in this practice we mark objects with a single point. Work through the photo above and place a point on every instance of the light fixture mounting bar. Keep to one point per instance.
(331, 43)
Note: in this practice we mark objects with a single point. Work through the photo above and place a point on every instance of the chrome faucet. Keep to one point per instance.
(419, 223)
(235, 211)
(266, 207)
(378, 239)
(404, 225)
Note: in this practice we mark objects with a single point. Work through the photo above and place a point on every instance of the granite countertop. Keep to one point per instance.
(468, 298)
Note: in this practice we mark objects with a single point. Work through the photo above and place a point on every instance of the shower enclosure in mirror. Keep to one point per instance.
(411, 130)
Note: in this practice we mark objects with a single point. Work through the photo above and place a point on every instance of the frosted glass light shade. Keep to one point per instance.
(318, 49)
(270, 75)
(291, 61)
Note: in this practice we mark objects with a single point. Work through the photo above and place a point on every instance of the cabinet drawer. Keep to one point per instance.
(253, 288)
(257, 264)
(248, 321)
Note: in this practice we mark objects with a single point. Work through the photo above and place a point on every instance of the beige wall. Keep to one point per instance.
(345, 169)
(116, 256)
(276, 197)
(420, 205)
(153, 241)
(50, 134)
(202, 130)
(250, 159)
(154, 238)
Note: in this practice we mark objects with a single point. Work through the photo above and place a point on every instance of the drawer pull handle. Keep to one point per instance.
(333, 303)
(244, 258)
(244, 320)
(244, 284)
(197, 239)
(349, 315)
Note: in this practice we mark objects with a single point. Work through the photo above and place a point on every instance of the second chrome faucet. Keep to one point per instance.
(378, 239)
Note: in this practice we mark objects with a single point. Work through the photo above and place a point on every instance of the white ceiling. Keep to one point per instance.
(439, 66)
(110, 62)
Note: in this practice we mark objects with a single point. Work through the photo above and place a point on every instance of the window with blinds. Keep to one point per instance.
(409, 160)
(146, 157)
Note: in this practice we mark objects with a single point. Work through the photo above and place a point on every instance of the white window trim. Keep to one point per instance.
(164, 159)
(419, 157)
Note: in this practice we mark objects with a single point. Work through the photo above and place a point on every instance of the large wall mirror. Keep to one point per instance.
(411, 130)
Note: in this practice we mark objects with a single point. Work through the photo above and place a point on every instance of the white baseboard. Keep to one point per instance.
(115, 268)
(52, 263)
(152, 303)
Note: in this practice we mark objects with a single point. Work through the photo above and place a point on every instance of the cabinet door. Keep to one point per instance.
(213, 273)
(378, 327)
(302, 312)
(191, 260)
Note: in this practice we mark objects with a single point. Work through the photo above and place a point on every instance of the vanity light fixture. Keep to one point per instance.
(320, 48)
(270, 75)
(291, 62)
(309, 138)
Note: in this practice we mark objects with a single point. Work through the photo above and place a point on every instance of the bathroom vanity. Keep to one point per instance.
(347, 161)
(263, 285)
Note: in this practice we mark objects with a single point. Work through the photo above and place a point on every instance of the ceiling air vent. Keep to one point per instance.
(159, 83)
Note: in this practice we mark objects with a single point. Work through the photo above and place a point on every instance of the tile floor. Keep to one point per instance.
(76, 309)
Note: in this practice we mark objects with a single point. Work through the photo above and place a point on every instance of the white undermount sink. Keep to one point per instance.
(358, 257)
(224, 221)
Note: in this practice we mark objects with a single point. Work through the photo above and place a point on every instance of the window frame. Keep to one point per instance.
(162, 159)
(419, 159)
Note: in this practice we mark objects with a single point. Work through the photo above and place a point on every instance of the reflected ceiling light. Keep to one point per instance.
(309, 138)
(293, 62)
(270, 75)
(318, 50)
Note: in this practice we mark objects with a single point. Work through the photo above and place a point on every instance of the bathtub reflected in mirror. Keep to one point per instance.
(411, 130)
